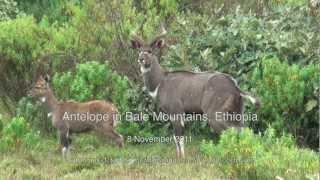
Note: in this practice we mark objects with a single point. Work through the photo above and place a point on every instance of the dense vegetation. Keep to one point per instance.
(271, 47)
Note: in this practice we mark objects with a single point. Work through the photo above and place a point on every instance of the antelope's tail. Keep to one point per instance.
(254, 100)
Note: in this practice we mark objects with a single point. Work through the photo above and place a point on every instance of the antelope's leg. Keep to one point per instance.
(69, 139)
(177, 121)
(176, 115)
(117, 137)
(179, 139)
(64, 141)
(112, 134)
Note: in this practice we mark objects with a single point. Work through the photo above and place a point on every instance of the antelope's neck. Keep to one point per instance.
(51, 101)
(153, 77)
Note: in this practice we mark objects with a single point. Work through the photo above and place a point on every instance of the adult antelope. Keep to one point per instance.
(182, 92)
(73, 117)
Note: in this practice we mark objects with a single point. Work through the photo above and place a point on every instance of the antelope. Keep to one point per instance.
(73, 117)
(185, 92)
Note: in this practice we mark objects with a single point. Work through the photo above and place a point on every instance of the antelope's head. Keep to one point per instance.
(40, 89)
(147, 50)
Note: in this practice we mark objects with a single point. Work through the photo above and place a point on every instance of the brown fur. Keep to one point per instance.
(67, 126)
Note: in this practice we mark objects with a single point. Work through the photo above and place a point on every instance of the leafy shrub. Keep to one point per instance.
(90, 81)
(56, 11)
(207, 148)
(136, 120)
(1, 124)
(245, 155)
(131, 129)
(235, 43)
(35, 115)
(22, 42)
(8, 9)
(21, 39)
(17, 134)
(287, 96)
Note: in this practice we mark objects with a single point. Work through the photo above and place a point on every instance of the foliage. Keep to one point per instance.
(22, 42)
(35, 115)
(8, 9)
(17, 134)
(1, 124)
(57, 11)
(289, 102)
(90, 81)
(236, 42)
(137, 121)
(245, 155)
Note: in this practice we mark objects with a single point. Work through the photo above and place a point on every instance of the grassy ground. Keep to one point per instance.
(89, 158)
(92, 158)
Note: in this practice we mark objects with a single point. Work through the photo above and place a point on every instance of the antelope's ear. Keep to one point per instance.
(47, 78)
(157, 44)
(135, 44)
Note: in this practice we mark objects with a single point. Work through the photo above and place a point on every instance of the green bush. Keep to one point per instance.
(17, 134)
(245, 155)
(131, 129)
(92, 80)
(287, 95)
(1, 122)
(8, 9)
(23, 41)
(34, 113)
(140, 104)
(56, 11)
(235, 43)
